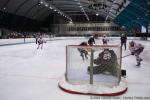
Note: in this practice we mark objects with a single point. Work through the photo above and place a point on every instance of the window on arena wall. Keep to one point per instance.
(77, 29)
(109, 28)
(96, 28)
(143, 29)
(149, 28)
(113, 28)
(99, 28)
(103, 28)
(73, 28)
(69, 29)
(116, 28)
(93, 28)
(84, 29)
(88, 28)
(80, 28)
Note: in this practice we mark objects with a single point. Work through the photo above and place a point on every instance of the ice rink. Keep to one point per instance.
(30, 74)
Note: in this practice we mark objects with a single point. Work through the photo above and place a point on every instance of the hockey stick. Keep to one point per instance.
(125, 56)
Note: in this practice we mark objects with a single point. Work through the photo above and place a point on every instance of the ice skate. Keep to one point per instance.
(138, 64)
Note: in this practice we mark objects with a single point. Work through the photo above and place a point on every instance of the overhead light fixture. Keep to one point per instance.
(50, 7)
(46, 5)
(41, 2)
(4, 8)
(97, 14)
(146, 14)
(82, 10)
(70, 22)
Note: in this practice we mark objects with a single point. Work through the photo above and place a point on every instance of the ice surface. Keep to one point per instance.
(30, 74)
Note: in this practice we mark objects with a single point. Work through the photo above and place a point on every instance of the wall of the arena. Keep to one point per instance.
(0, 33)
(4, 42)
(18, 41)
(88, 28)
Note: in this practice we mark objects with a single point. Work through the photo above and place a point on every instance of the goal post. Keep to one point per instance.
(94, 67)
(75, 63)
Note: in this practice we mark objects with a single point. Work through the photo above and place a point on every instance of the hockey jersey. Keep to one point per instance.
(106, 61)
(135, 48)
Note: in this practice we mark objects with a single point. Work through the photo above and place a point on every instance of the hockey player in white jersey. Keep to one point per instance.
(105, 40)
(136, 49)
(40, 42)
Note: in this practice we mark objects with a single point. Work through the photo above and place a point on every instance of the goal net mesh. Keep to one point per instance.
(101, 62)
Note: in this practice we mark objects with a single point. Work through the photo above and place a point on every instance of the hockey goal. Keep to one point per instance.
(93, 70)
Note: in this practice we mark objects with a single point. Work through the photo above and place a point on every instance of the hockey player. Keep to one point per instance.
(104, 40)
(106, 62)
(36, 39)
(83, 52)
(91, 41)
(136, 50)
(123, 40)
(40, 42)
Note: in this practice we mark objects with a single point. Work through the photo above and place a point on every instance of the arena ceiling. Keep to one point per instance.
(121, 11)
(135, 15)
(36, 9)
